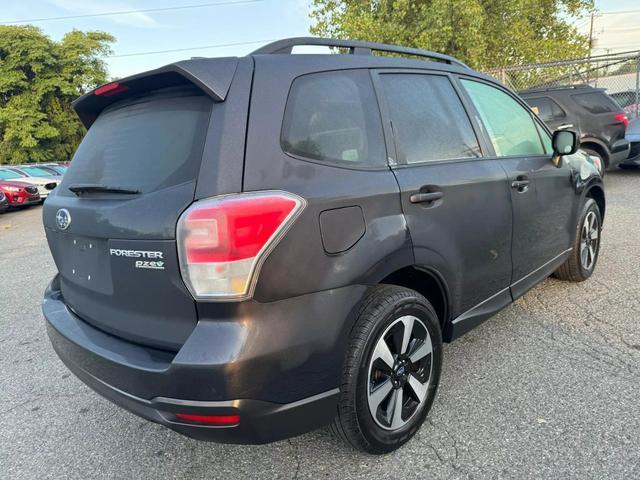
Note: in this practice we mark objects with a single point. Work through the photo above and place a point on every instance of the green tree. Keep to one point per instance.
(482, 33)
(39, 78)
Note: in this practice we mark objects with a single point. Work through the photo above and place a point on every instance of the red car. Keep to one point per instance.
(19, 194)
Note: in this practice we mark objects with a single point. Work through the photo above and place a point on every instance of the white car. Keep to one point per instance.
(44, 184)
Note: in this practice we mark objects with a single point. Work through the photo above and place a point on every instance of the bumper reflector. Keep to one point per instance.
(210, 419)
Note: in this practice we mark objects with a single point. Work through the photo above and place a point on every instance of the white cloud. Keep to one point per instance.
(84, 7)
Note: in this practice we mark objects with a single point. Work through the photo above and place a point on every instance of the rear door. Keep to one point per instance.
(455, 200)
(542, 195)
(549, 112)
(115, 247)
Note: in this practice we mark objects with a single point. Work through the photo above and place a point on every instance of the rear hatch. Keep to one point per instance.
(610, 120)
(111, 223)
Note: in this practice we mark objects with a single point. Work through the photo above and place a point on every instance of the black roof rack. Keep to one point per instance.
(355, 47)
(559, 87)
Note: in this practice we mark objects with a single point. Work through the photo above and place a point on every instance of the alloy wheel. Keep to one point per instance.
(589, 239)
(399, 372)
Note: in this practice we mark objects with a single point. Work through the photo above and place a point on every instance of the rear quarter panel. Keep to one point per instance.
(300, 264)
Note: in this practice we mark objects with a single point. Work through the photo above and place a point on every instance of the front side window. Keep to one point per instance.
(429, 121)
(509, 125)
(333, 117)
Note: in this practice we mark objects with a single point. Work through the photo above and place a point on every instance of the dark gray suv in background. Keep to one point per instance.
(251, 248)
(599, 121)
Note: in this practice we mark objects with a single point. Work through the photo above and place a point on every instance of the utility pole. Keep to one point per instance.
(590, 46)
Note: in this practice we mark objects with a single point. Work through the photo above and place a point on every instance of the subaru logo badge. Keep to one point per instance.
(63, 219)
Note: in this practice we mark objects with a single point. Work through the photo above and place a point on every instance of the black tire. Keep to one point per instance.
(603, 162)
(573, 269)
(384, 306)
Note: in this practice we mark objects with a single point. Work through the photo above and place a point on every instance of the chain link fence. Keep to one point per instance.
(618, 73)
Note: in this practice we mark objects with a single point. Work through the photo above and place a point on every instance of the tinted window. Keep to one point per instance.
(509, 125)
(546, 139)
(334, 117)
(546, 108)
(147, 144)
(429, 121)
(595, 102)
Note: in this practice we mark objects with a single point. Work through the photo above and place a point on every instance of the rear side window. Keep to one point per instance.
(509, 125)
(147, 144)
(333, 117)
(429, 121)
(545, 108)
(596, 102)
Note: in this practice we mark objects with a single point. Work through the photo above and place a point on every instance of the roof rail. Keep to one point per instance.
(356, 47)
(559, 87)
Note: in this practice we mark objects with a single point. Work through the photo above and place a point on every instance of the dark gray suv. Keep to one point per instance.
(593, 114)
(251, 248)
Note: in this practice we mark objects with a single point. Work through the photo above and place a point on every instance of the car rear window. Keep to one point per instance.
(333, 117)
(145, 144)
(596, 102)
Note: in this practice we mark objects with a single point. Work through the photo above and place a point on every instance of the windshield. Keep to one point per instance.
(144, 145)
(9, 175)
(36, 172)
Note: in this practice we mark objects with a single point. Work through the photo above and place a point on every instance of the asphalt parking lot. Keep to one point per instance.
(550, 387)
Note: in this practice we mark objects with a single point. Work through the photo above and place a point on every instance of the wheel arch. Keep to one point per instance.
(596, 192)
(598, 146)
(427, 282)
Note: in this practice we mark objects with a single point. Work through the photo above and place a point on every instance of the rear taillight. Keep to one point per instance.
(622, 117)
(223, 241)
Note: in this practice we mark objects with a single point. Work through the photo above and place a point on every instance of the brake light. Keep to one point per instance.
(110, 89)
(220, 420)
(223, 241)
(622, 117)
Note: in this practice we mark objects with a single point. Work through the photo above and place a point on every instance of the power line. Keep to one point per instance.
(203, 47)
(129, 12)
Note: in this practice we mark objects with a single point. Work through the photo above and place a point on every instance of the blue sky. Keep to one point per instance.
(259, 20)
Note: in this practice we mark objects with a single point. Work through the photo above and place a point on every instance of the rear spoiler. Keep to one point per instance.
(212, 75)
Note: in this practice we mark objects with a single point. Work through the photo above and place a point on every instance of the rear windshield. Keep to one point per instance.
(146, 144)
(596, 102)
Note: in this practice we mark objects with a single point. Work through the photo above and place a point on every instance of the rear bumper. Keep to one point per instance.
(279, 391)
(634, 155)
(619, 152)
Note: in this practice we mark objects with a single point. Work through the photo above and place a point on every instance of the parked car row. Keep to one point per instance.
(25, 185)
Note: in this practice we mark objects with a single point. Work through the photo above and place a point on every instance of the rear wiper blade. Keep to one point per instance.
(81, 188)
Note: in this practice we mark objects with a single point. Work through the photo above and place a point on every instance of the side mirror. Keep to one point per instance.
(565, 142)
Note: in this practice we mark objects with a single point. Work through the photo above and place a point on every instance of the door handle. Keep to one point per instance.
(425, 197)
(521, 183)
